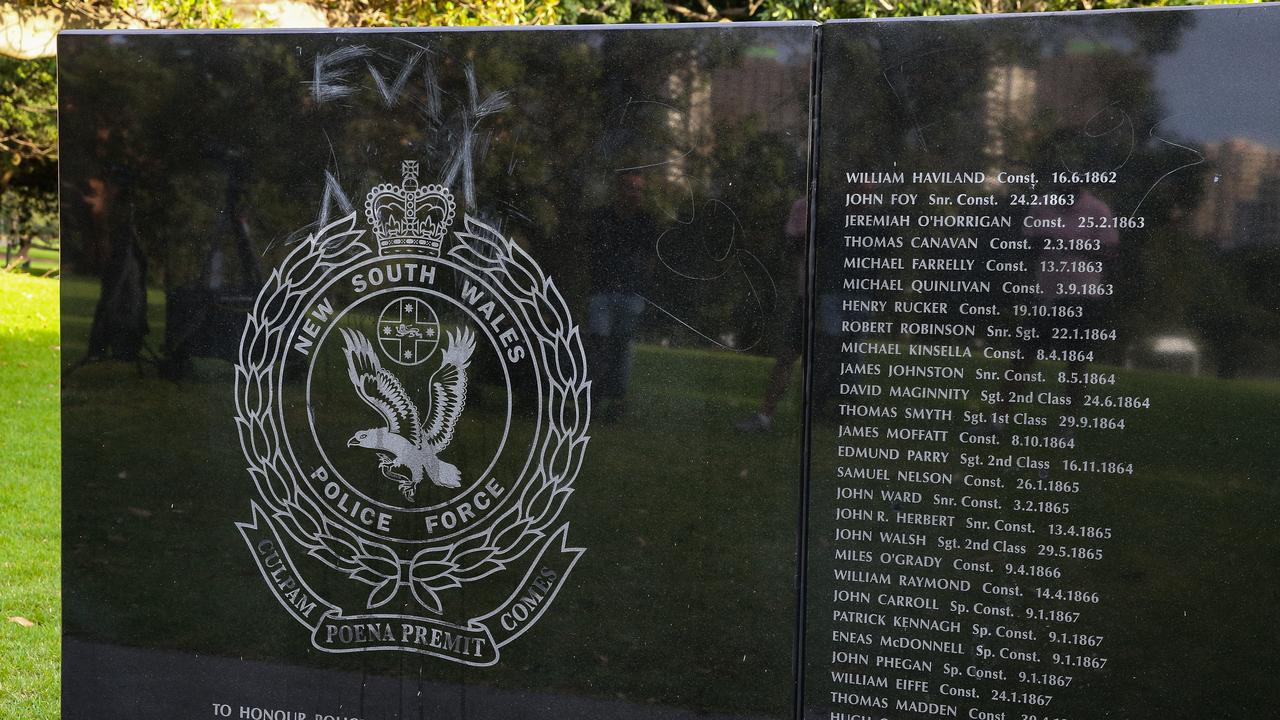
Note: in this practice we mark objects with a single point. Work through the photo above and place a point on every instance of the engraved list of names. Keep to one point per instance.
(964, 414)
(1046, 337)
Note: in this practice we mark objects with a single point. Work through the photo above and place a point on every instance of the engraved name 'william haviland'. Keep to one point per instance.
(413, 405)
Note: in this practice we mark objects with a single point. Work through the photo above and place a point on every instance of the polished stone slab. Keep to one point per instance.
(307, 273)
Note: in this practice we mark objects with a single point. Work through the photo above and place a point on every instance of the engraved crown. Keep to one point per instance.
(409, 216)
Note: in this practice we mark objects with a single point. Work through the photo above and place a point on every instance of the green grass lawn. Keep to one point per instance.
(43, 262)
(30, 467)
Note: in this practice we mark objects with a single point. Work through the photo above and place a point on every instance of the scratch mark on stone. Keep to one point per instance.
(1152, 134)
(694, 330)
(330, 72)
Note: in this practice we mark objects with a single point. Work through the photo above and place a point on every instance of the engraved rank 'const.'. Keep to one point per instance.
(413, 405)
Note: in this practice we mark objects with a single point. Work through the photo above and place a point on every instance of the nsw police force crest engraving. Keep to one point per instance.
(413, 404)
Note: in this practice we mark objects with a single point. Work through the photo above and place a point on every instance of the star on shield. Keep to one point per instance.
(408, 331)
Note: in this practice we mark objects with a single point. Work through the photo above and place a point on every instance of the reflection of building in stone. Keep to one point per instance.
(690, 124)
(1259, 220)
(762, 91)
(1241, 203)
(1073, 91)
(1062, 92)
(1072, 86)
(1009, 102)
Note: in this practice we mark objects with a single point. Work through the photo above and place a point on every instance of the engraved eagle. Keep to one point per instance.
(407, 444)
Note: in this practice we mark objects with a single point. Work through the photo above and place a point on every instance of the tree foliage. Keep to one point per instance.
(388, 13)
(28, 120)
(509, 12)
(138, 14)
(364, 13)
(29, 91)
(28, 150)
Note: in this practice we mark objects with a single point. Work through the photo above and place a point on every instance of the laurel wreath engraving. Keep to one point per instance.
(557, 461)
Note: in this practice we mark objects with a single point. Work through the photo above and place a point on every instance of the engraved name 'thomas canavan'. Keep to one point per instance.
(412, 402)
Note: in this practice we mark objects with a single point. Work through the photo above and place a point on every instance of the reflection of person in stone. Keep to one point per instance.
(792, 330)
(621, 240)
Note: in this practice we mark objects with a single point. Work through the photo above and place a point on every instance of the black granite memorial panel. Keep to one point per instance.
(1046, 336)
(402, 370)
(453, 374)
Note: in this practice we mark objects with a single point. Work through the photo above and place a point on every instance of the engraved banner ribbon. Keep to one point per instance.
(475, 643)
(470, 645)
(277, 567)
(535, 591)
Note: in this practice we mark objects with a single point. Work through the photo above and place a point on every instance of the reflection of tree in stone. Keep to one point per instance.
(233, 141)
(699, 144)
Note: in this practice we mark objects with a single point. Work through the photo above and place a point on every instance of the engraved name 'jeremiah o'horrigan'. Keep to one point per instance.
(412, 402)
